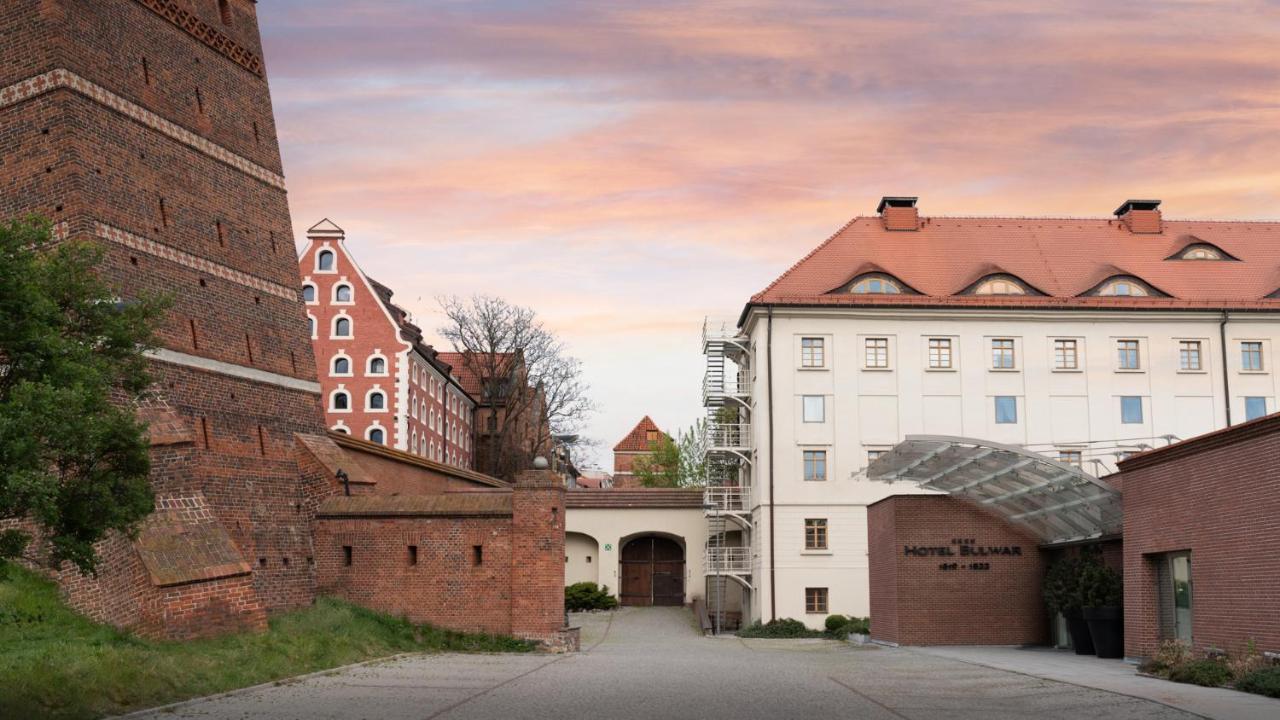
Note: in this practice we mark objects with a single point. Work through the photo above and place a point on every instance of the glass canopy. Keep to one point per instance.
(1058, 502)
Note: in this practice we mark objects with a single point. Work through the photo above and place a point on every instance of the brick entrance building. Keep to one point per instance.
(146, 126)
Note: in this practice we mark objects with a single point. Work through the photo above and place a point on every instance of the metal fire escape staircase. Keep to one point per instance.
(726, 394)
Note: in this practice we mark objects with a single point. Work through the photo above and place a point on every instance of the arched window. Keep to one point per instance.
(308, 293)
(342, 293)
(875, 285)
(377, 401)
(999, 285)
(324, 260)
(1201, 252)
(341, 365)
(311, 325)
(377, 435)
(342, 327)
(1122, 287)
(377, 366)
(340, 400)
(413, 442)
(341, 428)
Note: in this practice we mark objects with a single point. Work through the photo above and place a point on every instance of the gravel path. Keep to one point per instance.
(642, 663)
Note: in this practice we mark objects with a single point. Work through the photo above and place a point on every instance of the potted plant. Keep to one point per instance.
(1062, 596)
(1101, 598)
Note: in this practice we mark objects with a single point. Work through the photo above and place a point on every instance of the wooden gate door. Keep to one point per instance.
(652, 572)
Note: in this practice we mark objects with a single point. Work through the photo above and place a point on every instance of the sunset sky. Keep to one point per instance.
(629, 168)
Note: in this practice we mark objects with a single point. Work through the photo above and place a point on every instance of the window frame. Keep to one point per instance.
(815, 458)
(865, 281)
(368, 400)
(1077, 453)
(333, 365)
(817, 600)
(369, 431)
(998, 354)
(816, 535)
(813, 352)
(996, 402)
(1126, 400)
(881, 364)
(804, 409)
(333, 327)
(950, 351)
(333, 294)
(1199, 355)
(333, 395)
(1075, 354)
(315, 293)
(1261, 353)
(368, 365)
(1248, 401)
(333, 260)
(1125, 353)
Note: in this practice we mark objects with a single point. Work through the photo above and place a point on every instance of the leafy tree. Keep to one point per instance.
(679, 462)
(73, 455)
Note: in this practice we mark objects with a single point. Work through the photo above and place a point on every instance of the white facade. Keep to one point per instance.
(875, 383)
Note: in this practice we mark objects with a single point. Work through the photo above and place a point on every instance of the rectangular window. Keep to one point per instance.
(477, 554)
(1006, 409)
(1131, 410)
(1189, 355)
(815, 534)
(413, 554)
(813, 352)
(1065, 356)
(1251, 356)
(1127, 355)
(873, 455)
(1071, 457)
(1002, 354)
(815, 408)
(877, 352)
(940, 353)
(1254, 407)
(815, 600)
(346, 555)
(815, 465)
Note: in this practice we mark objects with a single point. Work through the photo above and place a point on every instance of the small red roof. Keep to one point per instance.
(638, 439)
(1061, 257)
(468, 373)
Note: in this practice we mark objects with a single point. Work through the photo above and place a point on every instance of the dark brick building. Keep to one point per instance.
(146, 126)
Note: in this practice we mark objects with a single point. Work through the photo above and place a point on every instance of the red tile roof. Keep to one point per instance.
(638, 439)
(1062, 257)
(634, 498)
(468, 372)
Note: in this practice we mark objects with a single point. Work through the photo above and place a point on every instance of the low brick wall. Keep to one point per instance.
(943, 572)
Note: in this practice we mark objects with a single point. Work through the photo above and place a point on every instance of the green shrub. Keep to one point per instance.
(784, 628)
(860, 625)
(1264, 681)
(587, 596)
(835, 622)
(1062, 586)
(1100, 586)
(1209, 673)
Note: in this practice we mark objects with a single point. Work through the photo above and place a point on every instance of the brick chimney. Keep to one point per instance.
(899, 213)
(1141, 216)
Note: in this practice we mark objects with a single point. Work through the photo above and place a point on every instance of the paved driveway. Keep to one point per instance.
(653, 663)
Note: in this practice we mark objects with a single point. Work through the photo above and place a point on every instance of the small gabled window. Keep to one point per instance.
(324, 260)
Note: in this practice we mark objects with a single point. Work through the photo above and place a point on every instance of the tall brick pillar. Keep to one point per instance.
(537, 560)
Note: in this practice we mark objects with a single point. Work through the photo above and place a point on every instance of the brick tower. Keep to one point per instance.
(146, 125)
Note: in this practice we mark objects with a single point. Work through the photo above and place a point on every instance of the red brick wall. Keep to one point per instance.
(1216, 497)
(925, 605)
(537, 538)
(445, 588)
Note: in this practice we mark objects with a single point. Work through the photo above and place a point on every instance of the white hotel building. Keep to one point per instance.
(1083, 339)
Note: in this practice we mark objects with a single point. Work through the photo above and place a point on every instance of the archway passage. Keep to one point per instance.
(652, 572)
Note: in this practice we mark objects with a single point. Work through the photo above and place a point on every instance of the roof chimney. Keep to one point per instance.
(1141, 216)
(899, 213)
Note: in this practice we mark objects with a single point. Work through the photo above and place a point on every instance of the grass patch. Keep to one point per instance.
(56, 663)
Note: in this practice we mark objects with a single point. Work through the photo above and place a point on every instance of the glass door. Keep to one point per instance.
(1180, 575)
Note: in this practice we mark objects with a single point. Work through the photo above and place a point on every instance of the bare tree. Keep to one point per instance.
(531, 388)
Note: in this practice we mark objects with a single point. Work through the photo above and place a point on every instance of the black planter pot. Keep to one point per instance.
(1106, 627)
(1081, 641)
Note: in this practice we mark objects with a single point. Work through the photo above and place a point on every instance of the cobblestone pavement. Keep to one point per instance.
(653, 663)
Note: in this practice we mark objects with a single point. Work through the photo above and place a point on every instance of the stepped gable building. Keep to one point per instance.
(1083, 339)
(380, 382)
(636, 445)
(146, 126)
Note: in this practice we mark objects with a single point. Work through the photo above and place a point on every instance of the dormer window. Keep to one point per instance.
(999, 285)
(1123, 287)
(875, 285)
(1201, 252)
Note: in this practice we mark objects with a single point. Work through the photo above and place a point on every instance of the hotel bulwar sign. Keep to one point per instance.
(965, 548)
